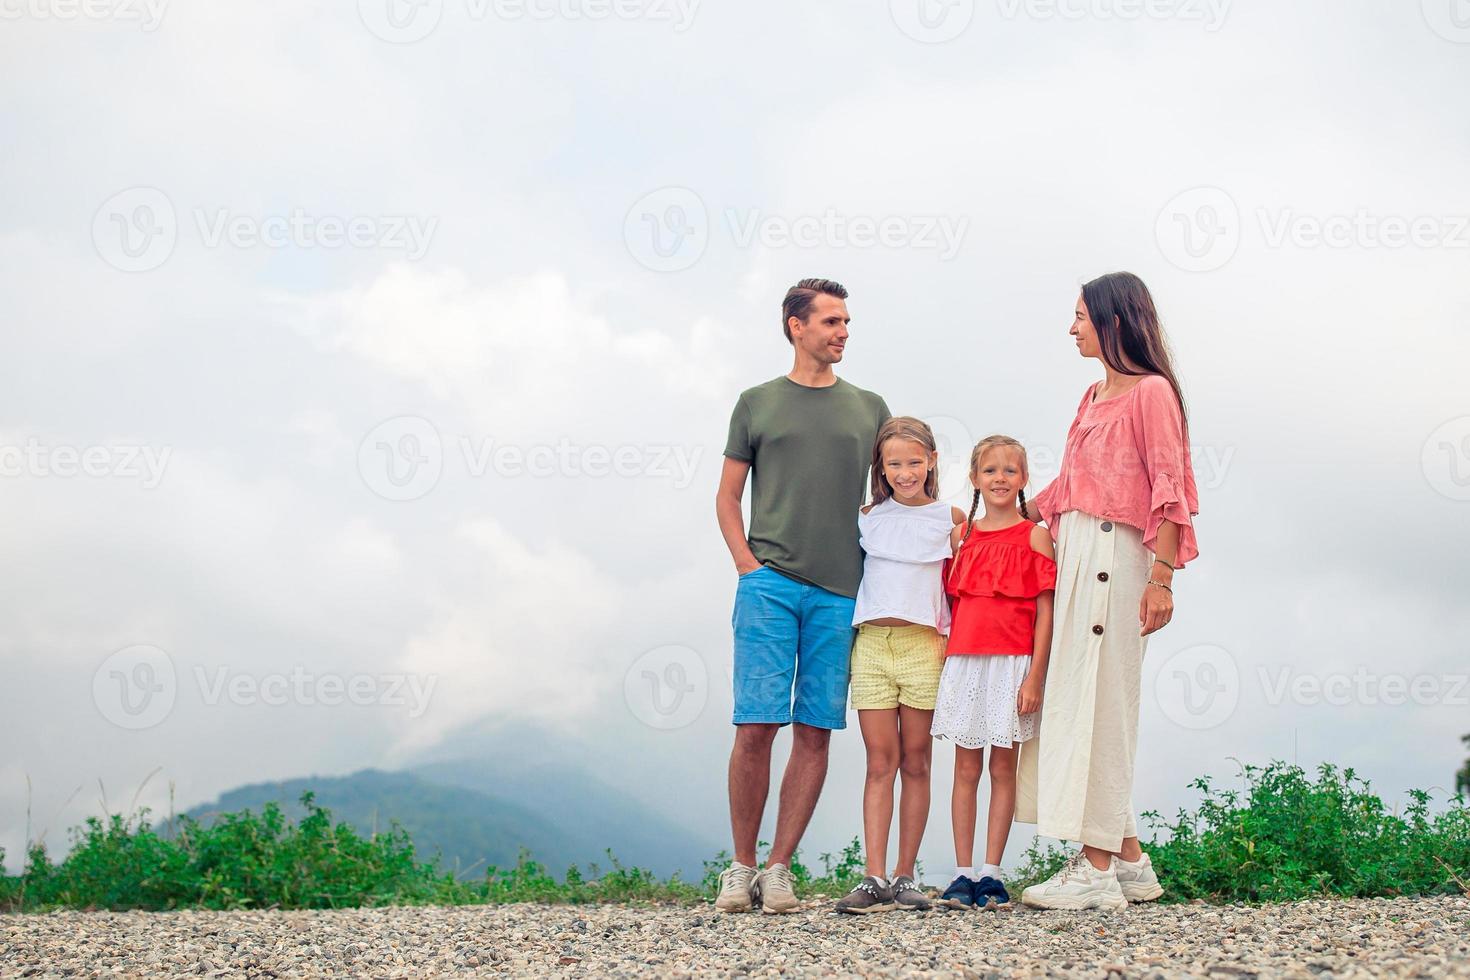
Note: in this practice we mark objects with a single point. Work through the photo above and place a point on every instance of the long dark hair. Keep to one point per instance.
(1128, 329)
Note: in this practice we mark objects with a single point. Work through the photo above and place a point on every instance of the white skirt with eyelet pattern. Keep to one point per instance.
(976, 706)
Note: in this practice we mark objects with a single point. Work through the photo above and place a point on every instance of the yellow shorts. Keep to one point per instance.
(893, 665)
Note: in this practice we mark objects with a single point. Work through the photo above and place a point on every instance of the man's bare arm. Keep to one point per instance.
(732, 521)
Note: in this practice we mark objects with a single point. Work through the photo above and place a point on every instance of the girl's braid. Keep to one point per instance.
(1022, 497)
(970, 521)
(969, 526)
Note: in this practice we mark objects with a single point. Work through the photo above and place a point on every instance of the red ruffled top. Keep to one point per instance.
(993, 582)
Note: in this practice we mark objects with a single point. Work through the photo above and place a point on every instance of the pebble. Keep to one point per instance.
(1341, 939)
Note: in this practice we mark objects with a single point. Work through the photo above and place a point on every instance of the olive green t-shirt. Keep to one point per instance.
(809, 450)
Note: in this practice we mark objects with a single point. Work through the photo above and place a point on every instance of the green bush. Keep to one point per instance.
(1290, 837)
(1287, 836)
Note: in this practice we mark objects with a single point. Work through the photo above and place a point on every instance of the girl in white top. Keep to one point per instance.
(902, 616)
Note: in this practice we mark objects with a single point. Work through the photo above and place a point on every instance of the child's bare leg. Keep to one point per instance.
(968, 764)
(1002, 802)
(913, 809)
(880, 737)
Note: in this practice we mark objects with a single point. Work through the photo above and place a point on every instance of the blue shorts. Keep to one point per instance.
(788, 633)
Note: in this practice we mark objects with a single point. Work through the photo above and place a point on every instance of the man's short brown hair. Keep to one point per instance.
(799, 299)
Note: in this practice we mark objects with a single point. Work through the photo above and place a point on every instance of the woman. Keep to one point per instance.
(1119, 512)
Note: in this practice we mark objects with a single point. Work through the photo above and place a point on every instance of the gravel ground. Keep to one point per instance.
(1400, 937)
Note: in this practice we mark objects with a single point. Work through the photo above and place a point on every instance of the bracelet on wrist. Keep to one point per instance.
(1161, 585)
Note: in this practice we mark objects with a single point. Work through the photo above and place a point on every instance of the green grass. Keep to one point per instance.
(1286, 836)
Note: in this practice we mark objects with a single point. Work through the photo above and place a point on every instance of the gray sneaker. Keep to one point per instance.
(869, 896)
(907, 894)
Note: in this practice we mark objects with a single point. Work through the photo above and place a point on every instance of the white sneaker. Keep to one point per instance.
(737, 888)
(1078, 886)
(1137, 879)
(773, 890)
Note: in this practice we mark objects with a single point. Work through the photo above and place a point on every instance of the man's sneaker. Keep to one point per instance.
(1078, 886)
(736, 884)
(960, 894)
(990, 893)
(772, 889)
(907, 895)
(1137, 880)
(869, 896)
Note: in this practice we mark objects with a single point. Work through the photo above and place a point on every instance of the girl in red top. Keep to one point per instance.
(1000, 584)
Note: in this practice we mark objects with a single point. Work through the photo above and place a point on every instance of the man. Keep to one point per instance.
(806, 441)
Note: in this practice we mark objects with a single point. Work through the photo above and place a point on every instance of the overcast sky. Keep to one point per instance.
(368, 364)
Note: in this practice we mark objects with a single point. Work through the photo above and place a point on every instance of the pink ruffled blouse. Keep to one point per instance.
(1127, 460)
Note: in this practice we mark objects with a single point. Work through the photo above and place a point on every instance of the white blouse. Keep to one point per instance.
(905, 548)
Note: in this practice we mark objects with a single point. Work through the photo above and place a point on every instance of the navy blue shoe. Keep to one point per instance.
(990, 893)
(960, 894)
